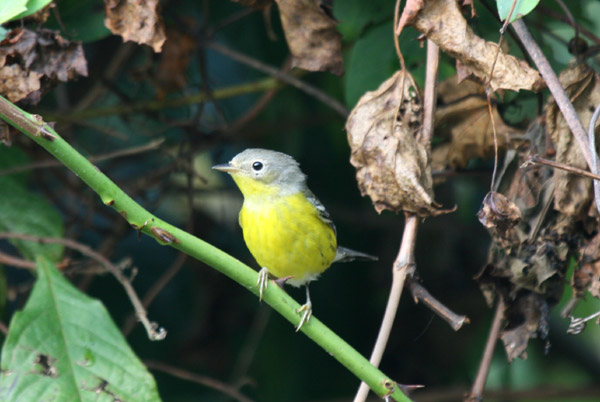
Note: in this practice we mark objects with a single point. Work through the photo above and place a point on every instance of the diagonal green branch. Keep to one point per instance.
(166, 234)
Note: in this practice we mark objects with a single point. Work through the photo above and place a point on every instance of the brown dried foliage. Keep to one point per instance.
(573, 193)
(137, 21)
(310, 33)
(463, 116)
(528, 263)
(443, 23)
(174, 61)
(392, 166)
(32, 61)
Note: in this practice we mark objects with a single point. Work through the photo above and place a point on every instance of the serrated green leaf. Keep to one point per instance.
(522, 8)
(9, 9)
(64, 346)
(32, 6)
(22, 211)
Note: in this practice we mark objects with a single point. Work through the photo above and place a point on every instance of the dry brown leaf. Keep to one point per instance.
(174, 61)
(391, 165)
(409, 13)
(526, 318)
(463, 116)
(573, 193)
(442, 22)
(586, 276)
(137, 21)
(498, 214)
(31, 61)
(310, 33)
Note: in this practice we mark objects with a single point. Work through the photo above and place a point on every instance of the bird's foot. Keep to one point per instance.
(306, 309)
(262, 282)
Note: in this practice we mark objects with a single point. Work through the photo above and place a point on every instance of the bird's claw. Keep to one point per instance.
(307, 313)
(262, 281)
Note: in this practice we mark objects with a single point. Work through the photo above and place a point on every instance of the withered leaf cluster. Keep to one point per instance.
(392, 166)
(528, 259)
(136, 20)
(32, 61)
(443, 23)
(573, 193)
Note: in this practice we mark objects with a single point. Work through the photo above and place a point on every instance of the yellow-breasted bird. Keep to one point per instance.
(286, 228)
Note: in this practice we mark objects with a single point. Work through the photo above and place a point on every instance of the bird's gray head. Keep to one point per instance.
(267, 167)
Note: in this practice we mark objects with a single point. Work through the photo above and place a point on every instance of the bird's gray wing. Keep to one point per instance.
(323, 214)
(343, 254)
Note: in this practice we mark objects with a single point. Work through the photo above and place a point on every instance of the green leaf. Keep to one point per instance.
(80, 20)
(11, 8)
(33, 6)
(64, 346)
(13, 157)
(355, 15)
(522, 8)
(373, 60)
(22, 211)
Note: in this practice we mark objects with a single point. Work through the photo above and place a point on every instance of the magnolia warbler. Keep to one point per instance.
(286, 228)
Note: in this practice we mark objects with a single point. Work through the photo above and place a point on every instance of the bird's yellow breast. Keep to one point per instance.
(286, 235)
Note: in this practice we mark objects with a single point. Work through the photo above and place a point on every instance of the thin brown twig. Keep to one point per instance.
(396, 40)
(488, 90)
(537, 160)
(250, 347)
(258, 106)
(403, 265)
(430, 92)
(156, 288)
(559, 94)
(117, 61)
(230, 19)
(565, 18)
(154, 332)
(592, 148)
(152, 145)
(281, 75)
(16, 262)
(420, 294)
(568, 16)
(492, 120)
(198, 379)
(476, 394)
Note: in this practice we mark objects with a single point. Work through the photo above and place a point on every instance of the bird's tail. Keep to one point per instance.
(345, 254)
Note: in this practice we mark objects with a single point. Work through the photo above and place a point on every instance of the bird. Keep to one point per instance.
(286, 228)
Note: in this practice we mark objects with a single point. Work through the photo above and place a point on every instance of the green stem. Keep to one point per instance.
(265, 84)
(166, 234)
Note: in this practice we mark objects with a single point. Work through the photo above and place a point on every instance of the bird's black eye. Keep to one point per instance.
(257, 166)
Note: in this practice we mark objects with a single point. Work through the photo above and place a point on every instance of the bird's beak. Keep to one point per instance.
(226, 167)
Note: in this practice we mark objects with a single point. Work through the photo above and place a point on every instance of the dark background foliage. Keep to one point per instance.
(216, 328)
